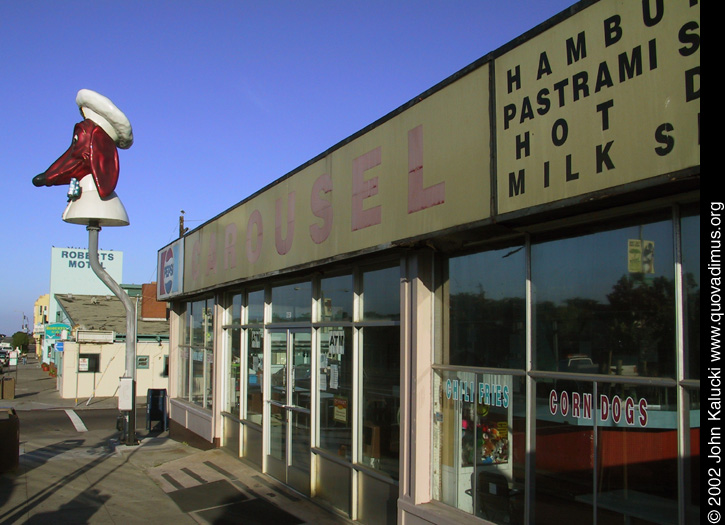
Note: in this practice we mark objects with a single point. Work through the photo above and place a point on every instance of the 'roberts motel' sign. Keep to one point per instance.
(608, 96)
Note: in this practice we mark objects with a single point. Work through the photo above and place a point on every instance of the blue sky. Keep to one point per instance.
(224, 97)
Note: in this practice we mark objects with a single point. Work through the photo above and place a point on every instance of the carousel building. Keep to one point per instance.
(484, 305)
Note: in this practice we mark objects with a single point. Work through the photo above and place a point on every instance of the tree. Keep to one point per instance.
(21, 340)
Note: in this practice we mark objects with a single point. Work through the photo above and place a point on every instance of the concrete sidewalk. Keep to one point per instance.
(89, 477)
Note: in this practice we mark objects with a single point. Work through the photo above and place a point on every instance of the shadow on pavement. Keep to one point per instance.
(78, 510)
(84, 504)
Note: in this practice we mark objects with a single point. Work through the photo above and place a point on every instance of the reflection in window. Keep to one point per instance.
(624, 473)
(255, 375)
(564, 455)
(381, 297)
(184, 372)
(196, 360)
(605, 302)
(233, 402)
(381, 398)
(184, 325)
(336, 367)
(292, 303)
(255, 307)
(255, 351)
(197, 376)
(479, 449)
(202, 322)
(236, 309)
(637, 454)
(487, 309)
(234, 358)
(692, 460)
(691, 281)
(336, 295)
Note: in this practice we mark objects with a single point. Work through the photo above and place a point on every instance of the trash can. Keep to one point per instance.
(9, 440)
(156, 407)
(8, 388)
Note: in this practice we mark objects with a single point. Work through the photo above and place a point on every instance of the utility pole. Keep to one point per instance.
(182, 230)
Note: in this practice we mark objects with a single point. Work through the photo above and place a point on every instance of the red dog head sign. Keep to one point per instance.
(93, 148)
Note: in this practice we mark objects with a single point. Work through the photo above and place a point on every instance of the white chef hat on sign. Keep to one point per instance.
(103, 112)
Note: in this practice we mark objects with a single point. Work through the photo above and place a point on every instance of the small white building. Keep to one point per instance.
(91, 369)
(92, 360)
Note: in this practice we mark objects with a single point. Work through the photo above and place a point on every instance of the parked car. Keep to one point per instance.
(4, 357)
(624, 365)
(578, 363)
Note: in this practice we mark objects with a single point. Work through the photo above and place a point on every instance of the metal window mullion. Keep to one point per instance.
(243, 372)
(595, 443)
(224, 355)
(356, 416)
(529, 461)
(315, 351)
(204, 369)
(266, 371)
(357, 305)
(290, 366)
(190, 371)
(683, 417)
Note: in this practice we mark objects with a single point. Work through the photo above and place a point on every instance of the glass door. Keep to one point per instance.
(288, 451)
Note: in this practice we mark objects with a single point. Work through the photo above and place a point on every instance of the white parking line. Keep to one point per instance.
(76, 420)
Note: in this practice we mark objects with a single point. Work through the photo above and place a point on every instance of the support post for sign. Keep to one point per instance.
(130, 373)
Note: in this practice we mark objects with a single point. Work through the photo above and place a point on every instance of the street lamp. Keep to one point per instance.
(90, 167)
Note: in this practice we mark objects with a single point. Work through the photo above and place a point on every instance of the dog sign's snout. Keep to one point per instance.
(39, 180)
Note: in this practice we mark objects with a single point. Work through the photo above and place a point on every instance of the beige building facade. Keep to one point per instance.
(483, 307)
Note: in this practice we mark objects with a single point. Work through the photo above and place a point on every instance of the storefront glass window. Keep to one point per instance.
(636, 454)
(479, 447)
(292, 303)
(604, 302)
(692, 460)
(255, 307)
(381, 294)
(183, 377)
(255, 351)
(380, 345)
(278, 394)
(233, 403)
(185, 325)
(201, 323)
(236, 309)
(197, 376)
(690, 226)
(335, 385)
(184, 372)
(565, 453)
(234, 358)
(381, 398)
(255, 375)
(336, 297)
(197, 359)
(609, 449)
(487, 309)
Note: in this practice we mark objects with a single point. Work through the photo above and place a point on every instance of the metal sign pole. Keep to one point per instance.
(93, 230)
